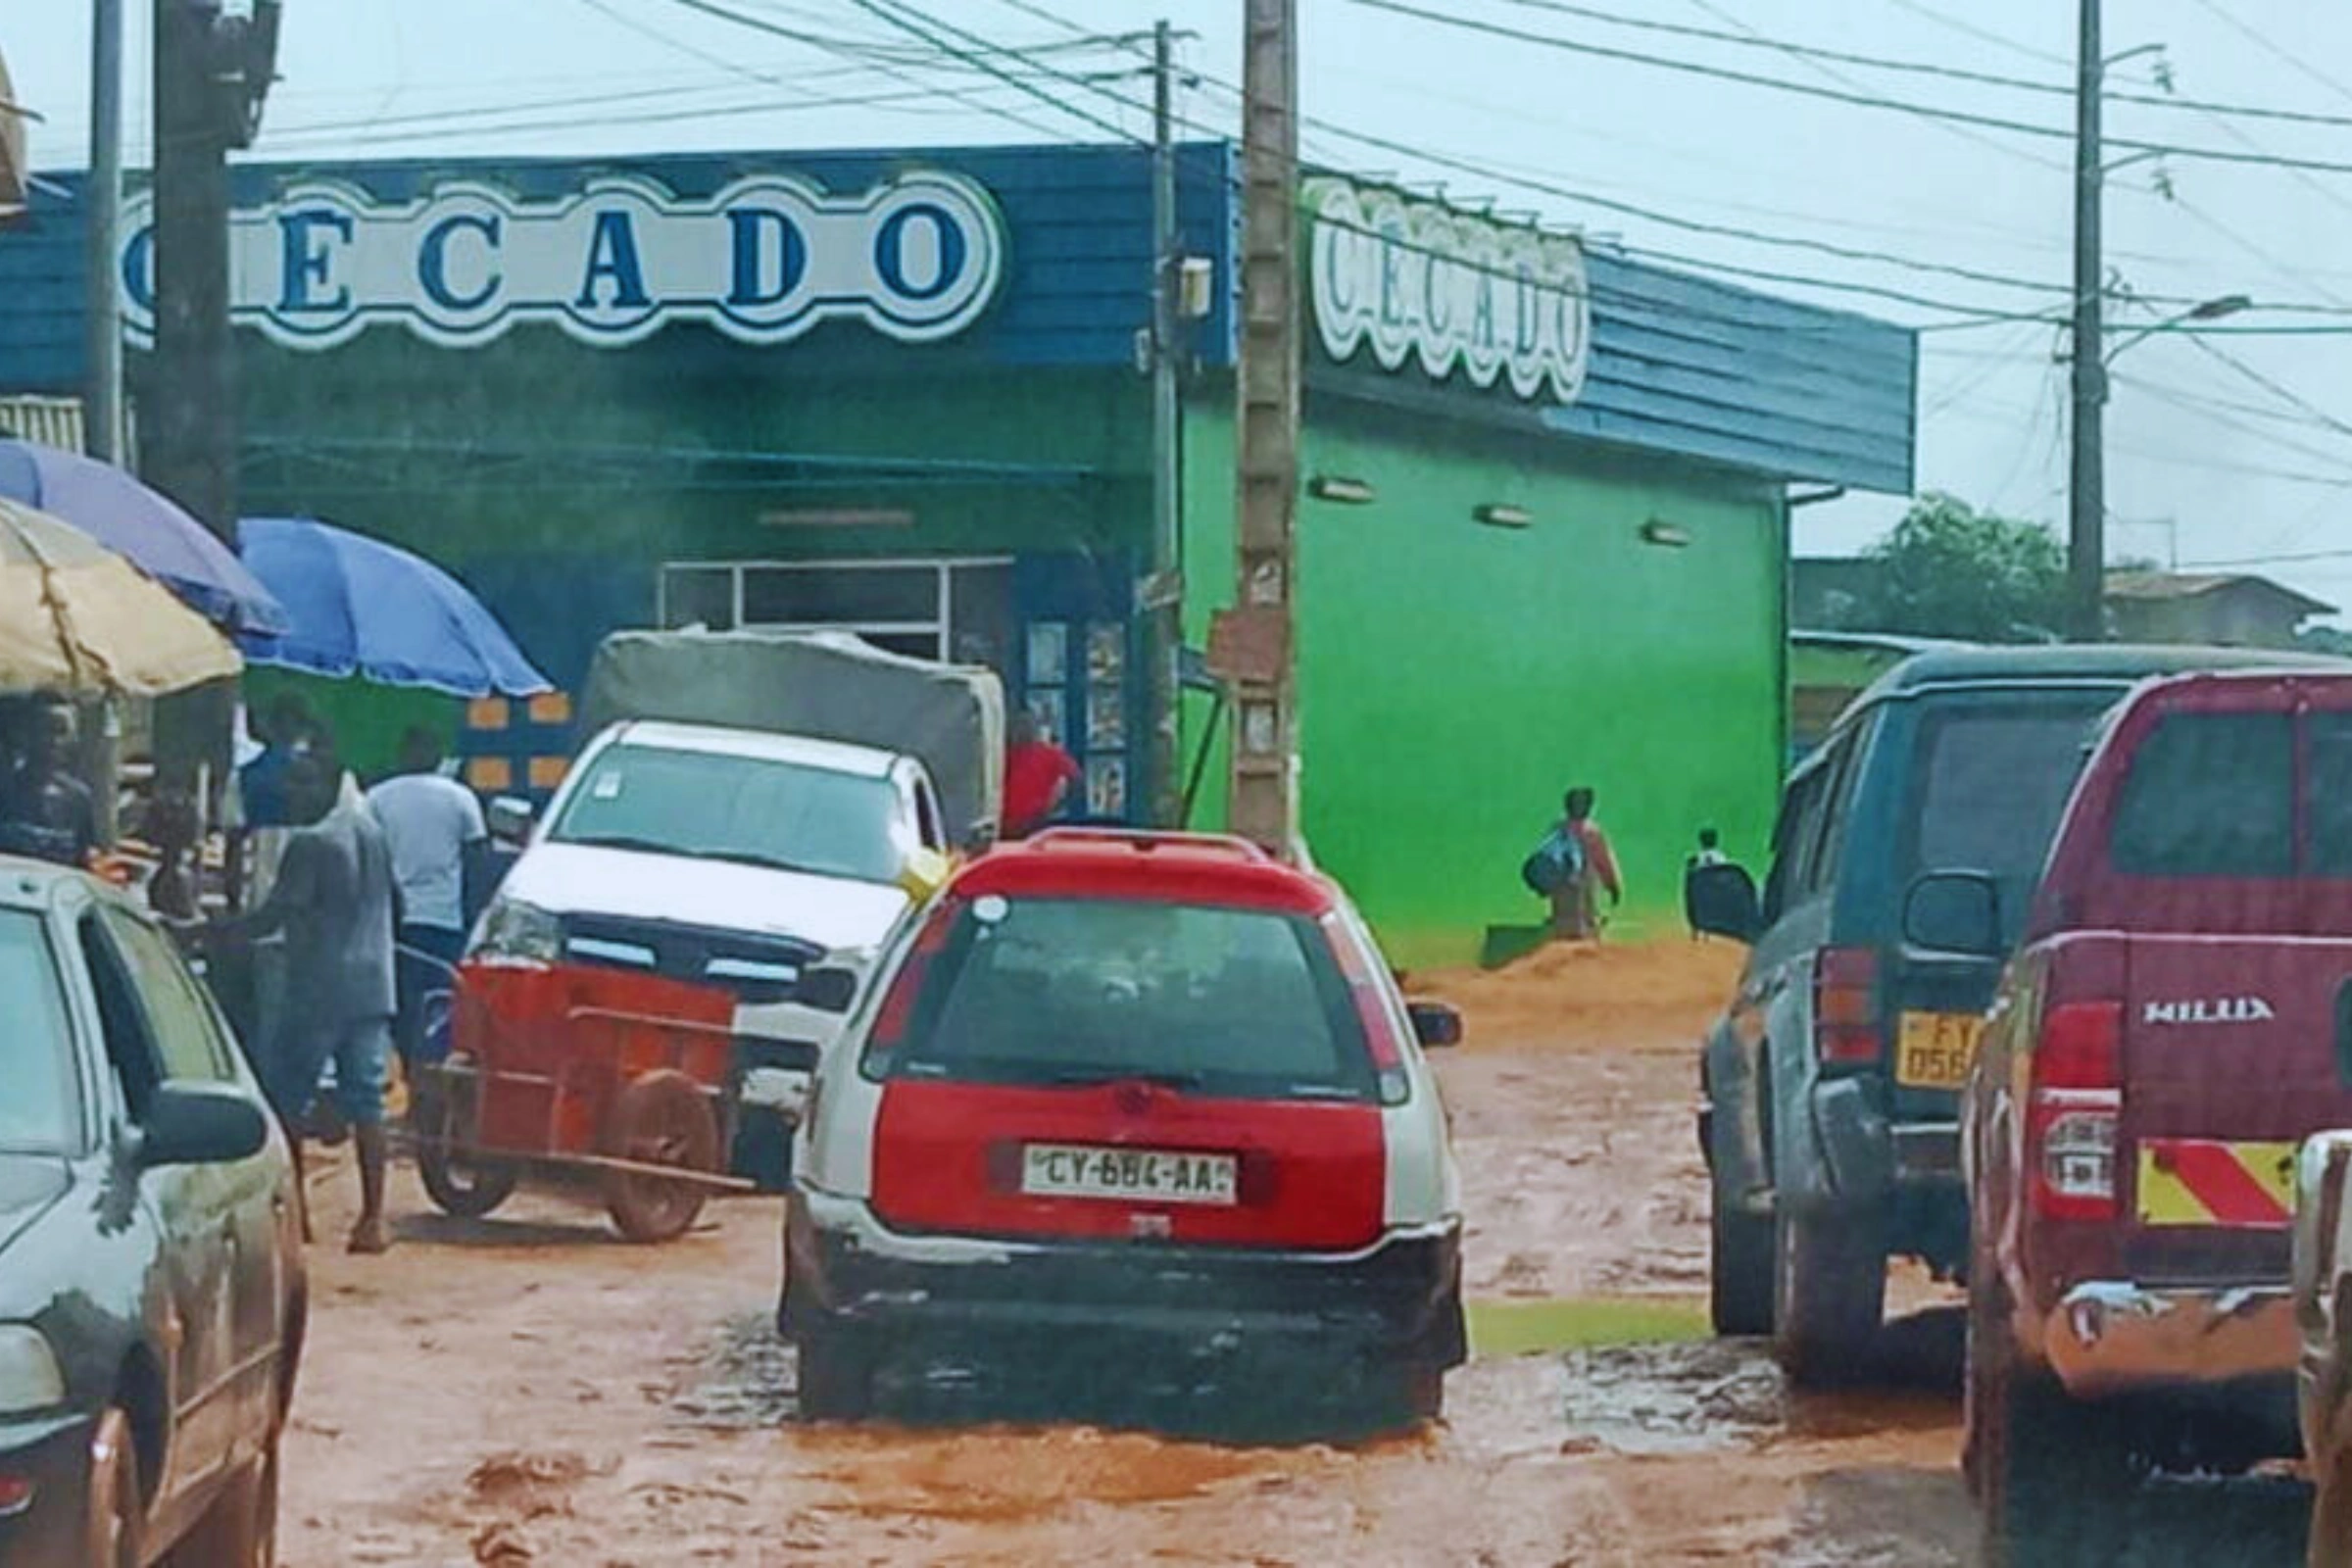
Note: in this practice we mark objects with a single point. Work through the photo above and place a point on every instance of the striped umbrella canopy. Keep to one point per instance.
(78, 620)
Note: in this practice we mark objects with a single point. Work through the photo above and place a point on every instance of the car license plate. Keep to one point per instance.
(1149, 1175)
(1934, 1049)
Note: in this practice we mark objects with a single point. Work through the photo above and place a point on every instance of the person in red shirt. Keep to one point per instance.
(1576, 910)
(1038, 775)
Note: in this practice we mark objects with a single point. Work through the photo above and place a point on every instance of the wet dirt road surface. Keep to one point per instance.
(529, 1391)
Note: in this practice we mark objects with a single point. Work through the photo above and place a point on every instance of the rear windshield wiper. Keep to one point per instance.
(1094, 1077)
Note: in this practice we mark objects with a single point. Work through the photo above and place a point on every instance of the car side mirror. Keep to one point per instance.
(200, 1124)
(1720, 900)
(925, 872)
(1954, 911)
(509, 819)
(1436, 1024)
(828, 990)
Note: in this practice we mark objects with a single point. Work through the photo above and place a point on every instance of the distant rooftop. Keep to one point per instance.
(2171, 585)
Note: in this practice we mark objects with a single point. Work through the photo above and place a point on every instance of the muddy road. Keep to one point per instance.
(528, 1390)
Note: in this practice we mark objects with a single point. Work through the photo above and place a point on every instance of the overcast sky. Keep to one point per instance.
(2205, 459)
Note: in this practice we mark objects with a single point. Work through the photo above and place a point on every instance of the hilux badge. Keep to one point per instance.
(2211, 1009)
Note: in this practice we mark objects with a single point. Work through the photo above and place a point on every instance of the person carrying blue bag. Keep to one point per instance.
(1571, 867)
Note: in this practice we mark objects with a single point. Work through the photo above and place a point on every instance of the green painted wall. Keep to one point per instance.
(1457, 678)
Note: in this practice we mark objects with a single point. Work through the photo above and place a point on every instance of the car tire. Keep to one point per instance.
(240, 1528)
(2052, 1474)
(117, 1506)
(1740, 1263)
(1829, 1295)
(461, 1186)
(663, 1119)
(836, 1374)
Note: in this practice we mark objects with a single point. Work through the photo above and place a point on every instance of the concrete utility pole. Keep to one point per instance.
(102, 422)
(1264, 805)
(2086, 530)
(1166, 608)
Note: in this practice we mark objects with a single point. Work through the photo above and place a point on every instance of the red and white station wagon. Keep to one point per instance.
(1125, 1093)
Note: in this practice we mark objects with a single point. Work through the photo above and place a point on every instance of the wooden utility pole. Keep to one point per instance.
(212, 65)
(1263, 805)
(2087, 504)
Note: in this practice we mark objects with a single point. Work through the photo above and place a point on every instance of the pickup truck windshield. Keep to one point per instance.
(1072, 992)
(2213, 795)
(38, 1107)
(751, 810)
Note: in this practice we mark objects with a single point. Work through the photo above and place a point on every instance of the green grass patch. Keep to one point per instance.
(1525, 1328)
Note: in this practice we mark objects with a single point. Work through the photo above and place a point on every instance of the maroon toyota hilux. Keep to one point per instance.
(2177, 1021)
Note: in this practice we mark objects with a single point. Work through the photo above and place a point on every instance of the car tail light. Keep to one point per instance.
(1845, 1007)
(1373, 1014)
(897, 1010)
(2073, 1106)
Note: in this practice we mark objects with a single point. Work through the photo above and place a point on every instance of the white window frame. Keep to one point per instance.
(939, 628)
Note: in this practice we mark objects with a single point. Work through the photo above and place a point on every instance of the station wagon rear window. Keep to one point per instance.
(1212, 1000)
(39, 1105)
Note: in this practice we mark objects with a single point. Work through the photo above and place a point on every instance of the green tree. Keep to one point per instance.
(1950, 570)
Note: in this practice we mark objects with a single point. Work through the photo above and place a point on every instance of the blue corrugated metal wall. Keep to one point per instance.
(1681, 364)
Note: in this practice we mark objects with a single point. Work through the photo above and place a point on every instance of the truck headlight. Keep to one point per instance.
(30, 1379)
(515, 932)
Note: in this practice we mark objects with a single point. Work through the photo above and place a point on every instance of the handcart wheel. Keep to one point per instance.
(663, 1119)
(459, 1183)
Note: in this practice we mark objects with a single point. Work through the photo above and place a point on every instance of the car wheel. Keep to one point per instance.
(2332, 1509)
(117, 1510)
(1829, 1295)
(459, 1183)
(2052, 1474)
(1739, 1262)
(240, 1528)
(836, 1374)
(663, 1119)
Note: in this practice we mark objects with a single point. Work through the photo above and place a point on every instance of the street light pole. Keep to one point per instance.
(2087, 506)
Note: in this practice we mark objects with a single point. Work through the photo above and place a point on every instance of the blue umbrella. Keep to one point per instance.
(361, 606)
(144, 524)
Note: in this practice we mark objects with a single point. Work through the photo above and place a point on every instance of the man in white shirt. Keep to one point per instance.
(439, 846)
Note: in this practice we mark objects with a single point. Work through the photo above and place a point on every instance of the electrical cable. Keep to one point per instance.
(1839, 95)
(1751, 38)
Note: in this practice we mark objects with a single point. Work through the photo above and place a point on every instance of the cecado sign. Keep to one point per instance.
(763, 261)
(1454, 291)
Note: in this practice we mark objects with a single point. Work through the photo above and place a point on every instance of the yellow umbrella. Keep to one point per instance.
(78, 620)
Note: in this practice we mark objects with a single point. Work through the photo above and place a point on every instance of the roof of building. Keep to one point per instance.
(1876, 641)
(2176, 585)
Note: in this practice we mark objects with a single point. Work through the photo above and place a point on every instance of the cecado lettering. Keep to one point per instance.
(764, 261)
(1453, 290)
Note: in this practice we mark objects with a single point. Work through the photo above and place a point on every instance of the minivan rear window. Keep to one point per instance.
(1215, 1000)
(2209, 795)
(1994, 779)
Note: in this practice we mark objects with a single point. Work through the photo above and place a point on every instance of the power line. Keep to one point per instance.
(927, 27)
(1751, 38)
(2288, 56)
(1839, 95)
(2277, 389)
(1971, 30)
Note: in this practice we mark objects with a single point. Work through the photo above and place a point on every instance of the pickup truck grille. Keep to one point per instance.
(753, 969)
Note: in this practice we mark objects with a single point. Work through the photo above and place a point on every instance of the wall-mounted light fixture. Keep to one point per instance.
(1342, 490)
(1671, 535)
(1500, 515)
(1196, 287)
(838, 518)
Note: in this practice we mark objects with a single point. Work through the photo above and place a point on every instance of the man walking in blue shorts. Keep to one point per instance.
(334, 903)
